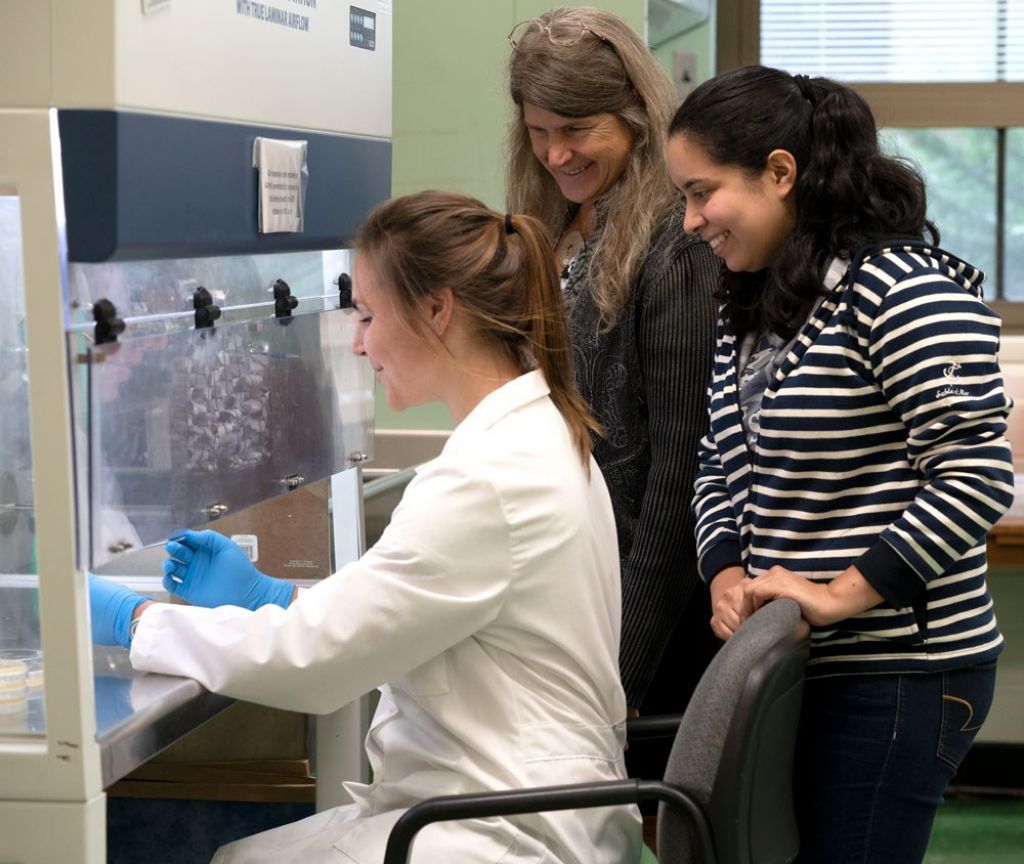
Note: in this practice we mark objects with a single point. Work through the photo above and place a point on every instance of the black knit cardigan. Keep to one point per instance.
(646, 380)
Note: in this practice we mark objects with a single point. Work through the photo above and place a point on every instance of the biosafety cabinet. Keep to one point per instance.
(180, 181)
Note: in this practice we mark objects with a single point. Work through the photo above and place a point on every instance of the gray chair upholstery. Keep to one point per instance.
(727, 792)
(735, 745)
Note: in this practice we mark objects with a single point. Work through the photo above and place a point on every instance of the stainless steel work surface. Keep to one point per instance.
(139, 714)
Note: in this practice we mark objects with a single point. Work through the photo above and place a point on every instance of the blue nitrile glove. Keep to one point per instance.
(110, 611)
(207, 569)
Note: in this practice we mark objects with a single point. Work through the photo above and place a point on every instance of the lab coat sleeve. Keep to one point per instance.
(439, 573)
(931, 346)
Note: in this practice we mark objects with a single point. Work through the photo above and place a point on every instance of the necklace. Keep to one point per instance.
(568, 247)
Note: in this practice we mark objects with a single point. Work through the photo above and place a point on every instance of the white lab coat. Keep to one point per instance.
(492, 606)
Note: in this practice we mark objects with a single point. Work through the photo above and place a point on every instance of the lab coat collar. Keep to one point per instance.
(498, 404)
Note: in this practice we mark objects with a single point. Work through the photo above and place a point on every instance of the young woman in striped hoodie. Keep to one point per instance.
(856, 455)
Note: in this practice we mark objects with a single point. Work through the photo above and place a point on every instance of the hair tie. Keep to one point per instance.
(509, 227)
(803, 83)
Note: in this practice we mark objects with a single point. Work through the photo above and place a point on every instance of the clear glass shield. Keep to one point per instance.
(189, 426)
(156, 296)
(21, 660)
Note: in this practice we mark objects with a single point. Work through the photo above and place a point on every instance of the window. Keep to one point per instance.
(895, 40)
(945, 80)
(954, 160)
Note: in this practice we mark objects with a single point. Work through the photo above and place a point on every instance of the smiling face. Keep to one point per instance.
(585, 155)
(404, 359)
(745, 217)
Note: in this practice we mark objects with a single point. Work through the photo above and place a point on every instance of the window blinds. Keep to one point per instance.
(896, 41)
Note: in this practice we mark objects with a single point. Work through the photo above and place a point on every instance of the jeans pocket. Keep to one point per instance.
(966, 700)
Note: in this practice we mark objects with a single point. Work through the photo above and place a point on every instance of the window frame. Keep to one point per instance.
(990, 105)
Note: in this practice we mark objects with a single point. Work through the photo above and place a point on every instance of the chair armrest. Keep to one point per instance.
(656, 726)
(575, 796)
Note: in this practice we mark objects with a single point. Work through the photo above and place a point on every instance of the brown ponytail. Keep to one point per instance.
(505, 280)
(549, 337)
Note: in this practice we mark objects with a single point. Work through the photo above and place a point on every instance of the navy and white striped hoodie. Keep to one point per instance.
(882, 444)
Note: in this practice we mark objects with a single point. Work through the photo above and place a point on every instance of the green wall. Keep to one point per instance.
(451, 106)
(450, 102)
(700, 40)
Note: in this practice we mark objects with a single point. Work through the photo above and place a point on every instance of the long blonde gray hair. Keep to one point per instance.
(577, 62)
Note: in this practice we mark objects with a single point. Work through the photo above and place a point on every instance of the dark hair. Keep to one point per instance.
(847, 195)
(501, 270)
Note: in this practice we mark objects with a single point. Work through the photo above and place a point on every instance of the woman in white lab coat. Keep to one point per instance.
(491, 604)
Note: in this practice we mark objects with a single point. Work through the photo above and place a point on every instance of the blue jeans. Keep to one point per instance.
(874, 755)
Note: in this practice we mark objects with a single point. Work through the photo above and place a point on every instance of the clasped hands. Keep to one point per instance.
(203, 568)
(734, 597)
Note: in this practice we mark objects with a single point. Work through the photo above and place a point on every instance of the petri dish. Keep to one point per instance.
(13, 686)
(33, 660)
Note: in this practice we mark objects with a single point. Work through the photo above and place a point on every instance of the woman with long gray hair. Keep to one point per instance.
(585, 147)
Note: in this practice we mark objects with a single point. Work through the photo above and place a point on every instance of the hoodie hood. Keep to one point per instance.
(964, 274)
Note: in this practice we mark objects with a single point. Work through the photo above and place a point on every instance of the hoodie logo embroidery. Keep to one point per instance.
(950, 374)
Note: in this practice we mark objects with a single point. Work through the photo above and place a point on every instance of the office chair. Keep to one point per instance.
(727, 794)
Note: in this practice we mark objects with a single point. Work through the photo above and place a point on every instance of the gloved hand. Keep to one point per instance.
(207, 569)
(110, 611)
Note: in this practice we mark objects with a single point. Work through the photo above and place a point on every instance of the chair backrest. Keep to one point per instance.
(735, 745)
